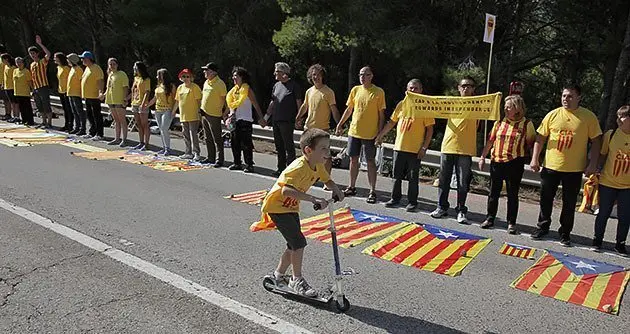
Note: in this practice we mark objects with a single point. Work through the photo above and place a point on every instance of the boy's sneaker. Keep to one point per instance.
(301, 287)
(461, 218)
(597, 245)
(620, 248)
(539, 234)
(439, 213)
(392, 203)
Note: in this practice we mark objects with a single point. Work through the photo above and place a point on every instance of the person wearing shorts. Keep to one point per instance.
(116, 91)
(140, 93)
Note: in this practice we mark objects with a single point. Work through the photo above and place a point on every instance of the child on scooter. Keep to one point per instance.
(282, 204)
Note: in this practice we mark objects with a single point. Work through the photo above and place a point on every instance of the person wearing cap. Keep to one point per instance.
(74, 94)
(63, 70)
(140, 92)
(41, 92)
(286, 99)
(23, 86)
(213, 106)
(188, 97)
(92, 89)
(115, 97)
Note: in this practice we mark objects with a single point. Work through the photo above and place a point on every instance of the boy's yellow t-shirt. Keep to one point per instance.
(368, 103)
(616, 172)
(409, 130)
(298, 175)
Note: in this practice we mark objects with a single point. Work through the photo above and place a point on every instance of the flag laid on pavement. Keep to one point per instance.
(253, 198)
(577, 280)
(101, 155)
(176, 165)
(517, 251)
(430, 248)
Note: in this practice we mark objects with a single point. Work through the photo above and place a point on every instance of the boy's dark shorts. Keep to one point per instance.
(289, 225)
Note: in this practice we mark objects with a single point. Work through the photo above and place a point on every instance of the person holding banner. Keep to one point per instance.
(366, 104)
(567, 131)
(509, 142)
(458, 147)
(413, 136)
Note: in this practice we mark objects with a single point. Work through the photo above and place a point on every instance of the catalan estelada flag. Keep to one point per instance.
(430, 248)
(354, 227)
(576, 280)
(517, 251)
(253, 198)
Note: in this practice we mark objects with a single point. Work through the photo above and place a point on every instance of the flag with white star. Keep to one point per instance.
(577, 280)
(429, 247)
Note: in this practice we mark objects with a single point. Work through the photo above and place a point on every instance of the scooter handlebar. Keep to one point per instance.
(334, 199)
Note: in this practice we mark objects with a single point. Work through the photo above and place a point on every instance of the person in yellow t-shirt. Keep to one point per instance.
(614, 182)
(164, 100)
(188, 97)
(510, 141)
(566, 131)
(282, 205)
(22, 87)
(140, 96)
(116, 91)
(458, 147)
(3, 94)
(12, 109)
(63, 70)
(366, 105)
(74, 94)
(413, 136)
(92, 89)
(319, 103)
(213, 106)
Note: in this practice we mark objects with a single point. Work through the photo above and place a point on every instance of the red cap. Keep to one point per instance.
(184, 71)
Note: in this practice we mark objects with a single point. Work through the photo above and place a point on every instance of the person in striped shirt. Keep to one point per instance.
(41, 90)
(509, 143)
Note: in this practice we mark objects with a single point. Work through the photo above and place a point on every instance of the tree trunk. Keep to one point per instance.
(619, 94)
(609, 76)
(352, 67)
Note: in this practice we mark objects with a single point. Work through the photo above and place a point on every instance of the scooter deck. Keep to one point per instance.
(283, 289)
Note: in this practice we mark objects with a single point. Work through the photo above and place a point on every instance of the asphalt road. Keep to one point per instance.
(180, 222)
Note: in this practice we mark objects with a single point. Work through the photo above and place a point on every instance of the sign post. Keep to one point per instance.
(488, 37)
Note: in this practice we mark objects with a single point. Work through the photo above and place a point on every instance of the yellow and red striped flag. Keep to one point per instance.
(577, 280)
(517, 251)
(430, 248)
(253, 198)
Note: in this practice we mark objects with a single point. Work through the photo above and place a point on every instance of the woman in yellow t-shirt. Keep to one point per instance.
(140, 92)
(74, 94)
(188, 97)
(7, 74)
(63, 70)
(614, 182)
(164, 99)
(116, 91)
(22, 88)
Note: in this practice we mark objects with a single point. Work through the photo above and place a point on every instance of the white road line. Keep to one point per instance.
(248, 312)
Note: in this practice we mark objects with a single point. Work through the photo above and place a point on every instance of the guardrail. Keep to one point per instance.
(431, 159)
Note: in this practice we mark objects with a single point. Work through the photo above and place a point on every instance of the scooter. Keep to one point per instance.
(334, 296)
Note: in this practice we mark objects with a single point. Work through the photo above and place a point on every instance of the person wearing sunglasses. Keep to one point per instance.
(188, 97)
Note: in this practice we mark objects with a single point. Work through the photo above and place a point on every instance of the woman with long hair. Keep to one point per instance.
(23, 86)
(240, 100)
(63, 70)
(140, 91)
(116, 91)
(164, 99)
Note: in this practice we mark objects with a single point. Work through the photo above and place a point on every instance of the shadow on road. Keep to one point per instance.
(393, 323)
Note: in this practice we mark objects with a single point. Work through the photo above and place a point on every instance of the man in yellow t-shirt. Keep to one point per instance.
(213, 106)
(282, 205)
(458, 147)
(413, 136)
(566, 131)
(319, 103)
(614, 181)
(366, 105)
(92, 88)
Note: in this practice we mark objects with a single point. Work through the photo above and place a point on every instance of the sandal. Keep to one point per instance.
(350, 191)
(371, 198)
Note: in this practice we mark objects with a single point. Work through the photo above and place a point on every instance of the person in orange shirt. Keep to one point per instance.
(510, 141)
(41, 91)
(63, 70)
(566, 131)
(614, 182)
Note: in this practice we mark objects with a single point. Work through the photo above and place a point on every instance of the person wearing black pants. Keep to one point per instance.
(512, 173)
(241, 140)
(68, 116)
(93, 107)
(26, 110)
(79, 115)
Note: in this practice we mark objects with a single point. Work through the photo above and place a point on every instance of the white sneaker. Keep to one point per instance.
(461, 218)
(196, 158)
(439, 213)
(302, 288)
(97, 138)
(186, 156)
(87, 136)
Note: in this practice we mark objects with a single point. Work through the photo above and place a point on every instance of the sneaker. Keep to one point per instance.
(137, 147)
(539, 234)
(196, 157)
(248, 169)
(87, 136)
(97, 138)
(207, 161)
(160, 152)
(392, 203)
(73, 131)
(620, 248)
(218, 164)
(276, 173)
(565, 241)
(488, 223)
(142, 148)
(597, 245)
(113, 142)
(235, 167)
(123, 143)
(461, 218)
(301, 287)
(186, 156)
(512, 228)
(439, 213)
(81, 134)
(167, 151)
(411, 207)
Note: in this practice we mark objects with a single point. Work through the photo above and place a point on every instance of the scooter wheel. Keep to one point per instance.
(342, 308)
(268, 284)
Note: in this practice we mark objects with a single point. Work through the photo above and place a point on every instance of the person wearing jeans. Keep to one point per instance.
(188, 97)
(614, 182)
(92, 90)
(213, 107)
(511, 139)
(73, 91)
(41, 90)
(164, 99)
(567, 131)
(63, 70)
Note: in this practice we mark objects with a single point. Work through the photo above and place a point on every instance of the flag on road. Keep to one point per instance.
(517, 251)
(430, 248)
(253, 198)
(488, 33)
(577, 280)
